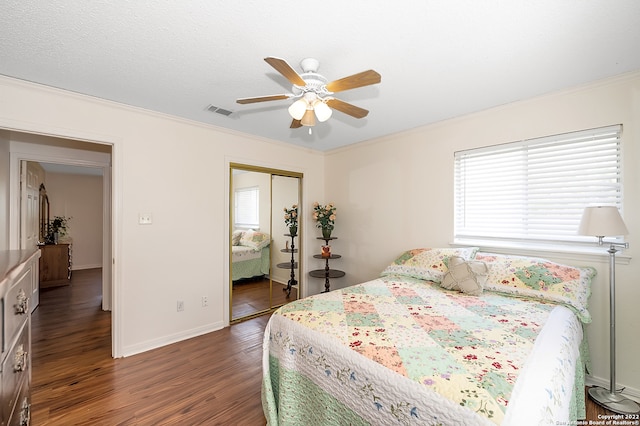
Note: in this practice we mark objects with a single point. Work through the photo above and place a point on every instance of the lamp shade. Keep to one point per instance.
(323, 112)
(308, 119)
(298, 108)
(602, 221)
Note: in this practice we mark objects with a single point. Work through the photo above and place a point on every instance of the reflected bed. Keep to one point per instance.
(249, 263)
(249, 254)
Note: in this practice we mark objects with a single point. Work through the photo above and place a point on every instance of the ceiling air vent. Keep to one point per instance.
(219, 110)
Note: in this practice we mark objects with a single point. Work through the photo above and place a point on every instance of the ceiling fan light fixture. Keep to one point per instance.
(298, 109)
(323, 112)
(312, 92)
(309, 118)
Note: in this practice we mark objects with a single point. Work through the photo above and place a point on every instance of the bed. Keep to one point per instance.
(442, 337)
(250, 254)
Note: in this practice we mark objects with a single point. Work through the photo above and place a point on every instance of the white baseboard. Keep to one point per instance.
(167, 340)
(91, 266)
(629, 392)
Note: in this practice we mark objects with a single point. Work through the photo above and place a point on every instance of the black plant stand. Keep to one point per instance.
(293, 265)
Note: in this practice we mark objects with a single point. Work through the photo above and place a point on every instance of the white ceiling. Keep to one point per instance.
(71, 170)
(438, 59)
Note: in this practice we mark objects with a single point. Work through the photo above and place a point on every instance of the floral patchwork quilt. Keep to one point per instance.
(400, 350)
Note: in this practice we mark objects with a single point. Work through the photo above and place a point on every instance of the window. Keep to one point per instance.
(535, 190)
(247, 208)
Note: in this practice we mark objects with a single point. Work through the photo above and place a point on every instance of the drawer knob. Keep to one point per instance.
(22, 305)
(20, 359)
(25, 412)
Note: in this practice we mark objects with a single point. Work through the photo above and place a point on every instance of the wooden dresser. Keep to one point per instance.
(18, 280)
(55, 265)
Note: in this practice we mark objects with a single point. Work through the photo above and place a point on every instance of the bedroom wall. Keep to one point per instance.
(178, 171)
(396, 193)
(79, 197)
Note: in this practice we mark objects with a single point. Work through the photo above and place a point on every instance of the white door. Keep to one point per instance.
(30, 178)
(29, 184)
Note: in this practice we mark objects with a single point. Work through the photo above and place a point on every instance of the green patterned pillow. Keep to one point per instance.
(255, 240)
(426, 263)
(540, 279)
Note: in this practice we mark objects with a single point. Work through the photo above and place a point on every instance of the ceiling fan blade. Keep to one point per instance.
(365, 78)
(295, 124)
(261, 99)
(285, 69)
(347, 108)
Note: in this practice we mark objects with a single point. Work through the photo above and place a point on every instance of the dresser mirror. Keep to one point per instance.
(264, 261)
(44, 214)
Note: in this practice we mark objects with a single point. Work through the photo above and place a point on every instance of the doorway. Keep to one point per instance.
(63, 153)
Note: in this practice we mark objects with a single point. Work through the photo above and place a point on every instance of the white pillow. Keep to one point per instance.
(466, 276)
(236, 236)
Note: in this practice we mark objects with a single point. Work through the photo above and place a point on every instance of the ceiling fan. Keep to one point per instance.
(313, 93)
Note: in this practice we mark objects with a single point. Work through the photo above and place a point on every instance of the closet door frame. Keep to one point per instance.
(276, 214)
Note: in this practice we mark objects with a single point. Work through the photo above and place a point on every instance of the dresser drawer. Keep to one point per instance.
(16, 306)
(15, 371)
(21, 415)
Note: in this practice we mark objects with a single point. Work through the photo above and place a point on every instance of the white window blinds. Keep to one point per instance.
(247, 208)
(537, 189)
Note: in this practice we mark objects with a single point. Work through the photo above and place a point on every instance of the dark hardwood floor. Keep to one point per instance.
(252, 295)
(208, 380)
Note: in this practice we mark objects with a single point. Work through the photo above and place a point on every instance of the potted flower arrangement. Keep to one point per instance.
(57, 228)
(291, 219)
(325, 216)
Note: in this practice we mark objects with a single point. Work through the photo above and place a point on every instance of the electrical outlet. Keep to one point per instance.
(205, 301)
(180, 306)
(145, 219)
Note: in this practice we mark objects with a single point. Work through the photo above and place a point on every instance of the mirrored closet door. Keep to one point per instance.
(264, 255)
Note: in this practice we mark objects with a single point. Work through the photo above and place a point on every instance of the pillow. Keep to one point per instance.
(255, 240)
(427, 263)
(540, 279)
(235, 237)
(466, 276)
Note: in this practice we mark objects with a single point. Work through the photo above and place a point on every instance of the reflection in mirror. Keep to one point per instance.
(284, 194)
(250, 242)
(260, 252)
(44, 214)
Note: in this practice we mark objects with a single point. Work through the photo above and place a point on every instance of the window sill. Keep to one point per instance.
(576, 253)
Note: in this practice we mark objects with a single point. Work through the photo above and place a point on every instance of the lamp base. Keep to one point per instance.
(614, 401)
